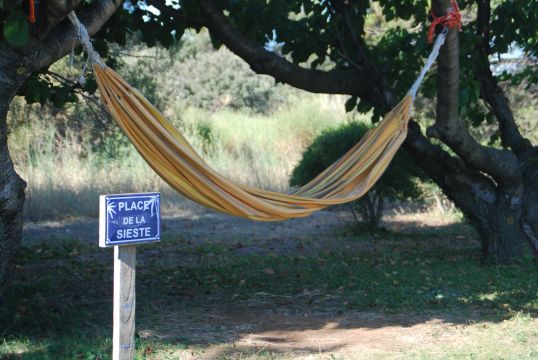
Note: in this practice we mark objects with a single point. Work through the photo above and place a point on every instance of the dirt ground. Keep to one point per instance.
(246, 332)
(198, 227)
(225, 330)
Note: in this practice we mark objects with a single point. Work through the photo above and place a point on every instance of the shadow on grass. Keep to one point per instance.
(59, 305)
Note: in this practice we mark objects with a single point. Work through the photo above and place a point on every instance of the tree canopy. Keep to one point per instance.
(322, 35)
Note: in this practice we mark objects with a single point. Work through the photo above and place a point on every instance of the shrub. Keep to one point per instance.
(399, 182)
(213, 80)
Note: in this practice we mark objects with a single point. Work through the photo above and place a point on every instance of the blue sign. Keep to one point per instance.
(129, 219)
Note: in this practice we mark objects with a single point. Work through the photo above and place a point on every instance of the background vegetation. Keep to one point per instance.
(401, 181)
(249, 128)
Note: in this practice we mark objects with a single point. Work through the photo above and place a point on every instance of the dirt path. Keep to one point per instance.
(244, 333)
(196, 226)
(199, 227)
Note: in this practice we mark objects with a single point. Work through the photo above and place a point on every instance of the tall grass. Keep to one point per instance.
(65, 177)
(258, 150)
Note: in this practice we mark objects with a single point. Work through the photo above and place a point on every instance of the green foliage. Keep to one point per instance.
(318, 34)
(223, 81)
(9, 5)
(141, 76)
(13, 23)
(213, 80)
(398, 182)
(515, 22)
(394, 35)
(16, 29)
(40, 88)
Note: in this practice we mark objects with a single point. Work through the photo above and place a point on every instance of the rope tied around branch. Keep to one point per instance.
(451, 20)
(85, 40)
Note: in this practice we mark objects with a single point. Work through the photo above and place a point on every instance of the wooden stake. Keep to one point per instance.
(124, 302)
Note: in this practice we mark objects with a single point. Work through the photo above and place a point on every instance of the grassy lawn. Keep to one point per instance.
(59, 305)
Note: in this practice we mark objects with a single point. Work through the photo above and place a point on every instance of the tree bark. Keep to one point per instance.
(349, 81)
(52, 43)
(13, 72)
(500, 221)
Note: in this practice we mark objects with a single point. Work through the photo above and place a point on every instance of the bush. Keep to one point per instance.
(399, 182)
(213, 80)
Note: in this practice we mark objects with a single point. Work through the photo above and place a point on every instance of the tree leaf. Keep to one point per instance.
(16, 29)
(8, 5)
(351, 103)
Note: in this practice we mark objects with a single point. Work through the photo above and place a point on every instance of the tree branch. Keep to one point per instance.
(468, 188)
(490, 90)
(500, 164)
(349, 82)
(51, 13)
(61, 38)
(377, 77)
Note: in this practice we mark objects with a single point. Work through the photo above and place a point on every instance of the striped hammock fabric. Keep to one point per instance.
(169, 154)
(167, 151)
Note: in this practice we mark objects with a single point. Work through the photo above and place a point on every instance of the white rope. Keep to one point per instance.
(85, 41)
(431, 59)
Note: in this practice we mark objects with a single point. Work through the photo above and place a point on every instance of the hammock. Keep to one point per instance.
(167, 151)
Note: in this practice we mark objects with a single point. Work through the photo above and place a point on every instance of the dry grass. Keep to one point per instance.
(252, 149)
(434, 339)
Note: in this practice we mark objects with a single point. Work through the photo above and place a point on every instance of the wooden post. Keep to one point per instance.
(126, 220)
(124, 302)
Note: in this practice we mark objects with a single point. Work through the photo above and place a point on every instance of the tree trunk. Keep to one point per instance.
(14, 69)
(11, 206)
(507, 230)
(529, 217)
(503, 238)
(46, 45)
(371, 210)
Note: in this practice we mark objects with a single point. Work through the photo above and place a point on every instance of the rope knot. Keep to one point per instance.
(85, 41)
(451, 20)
